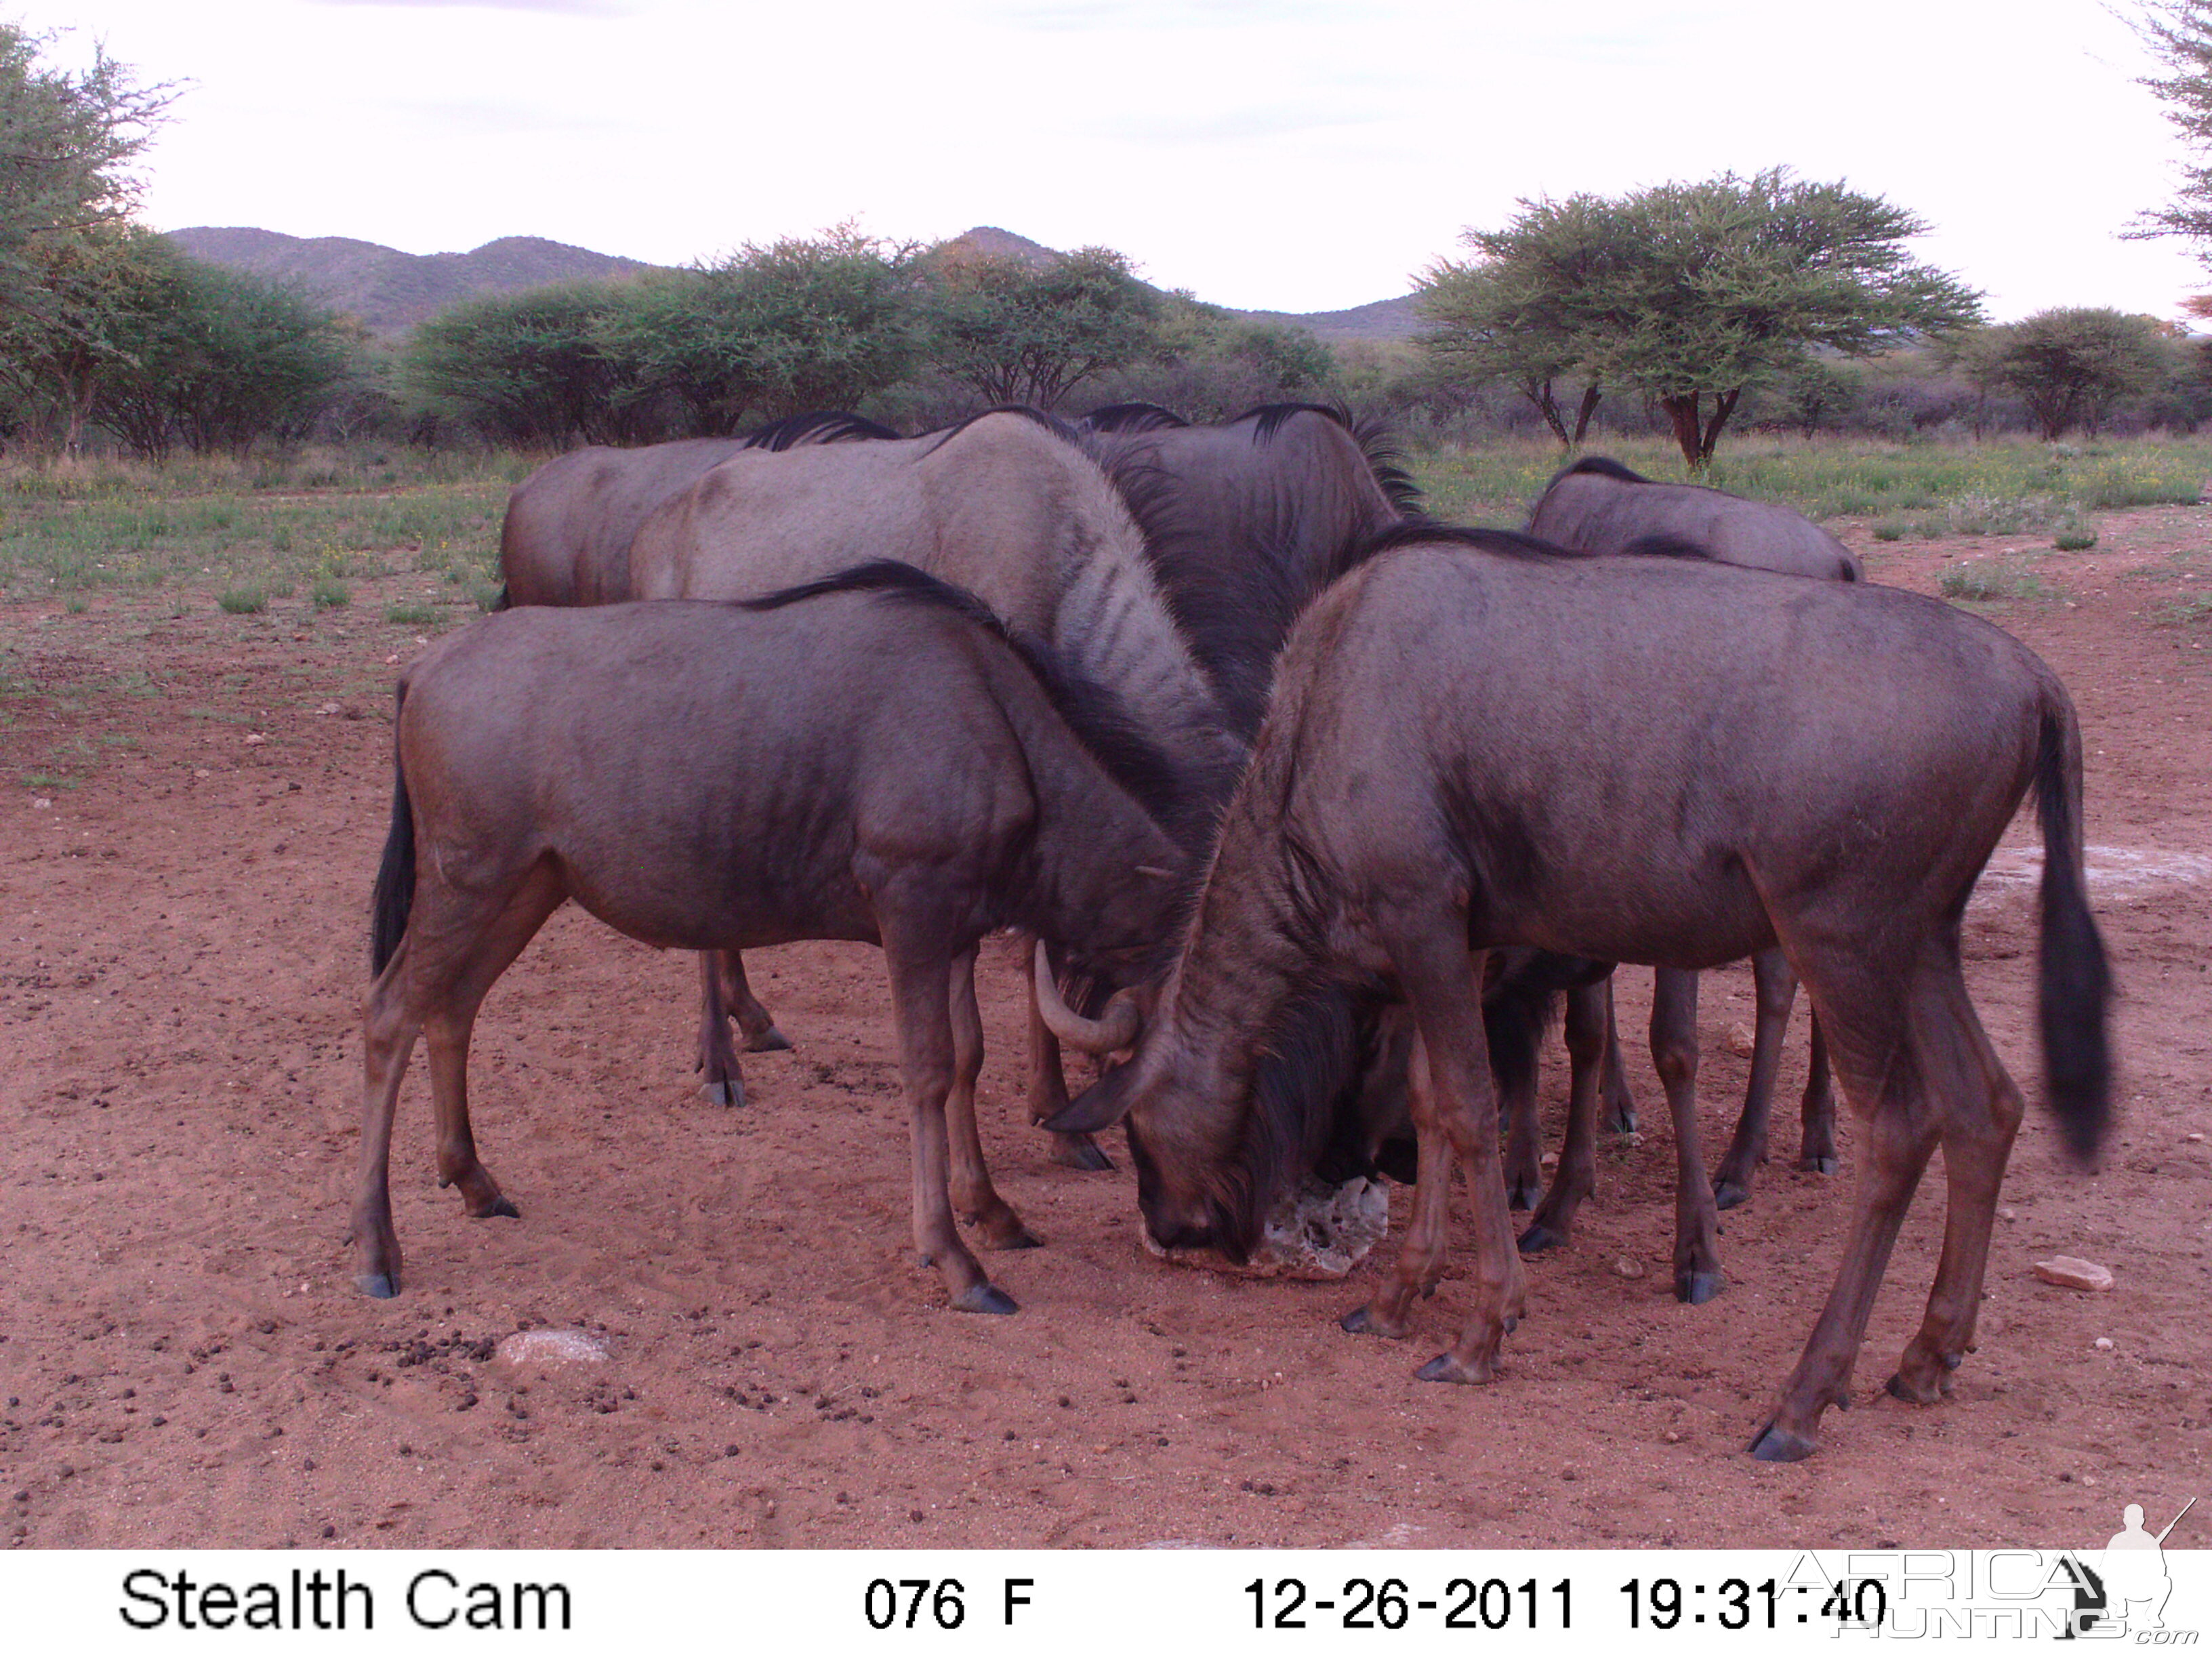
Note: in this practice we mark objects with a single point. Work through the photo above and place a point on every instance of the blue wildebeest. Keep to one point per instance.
(1435, 780)
(1008, 506)
(565, 540)
(873, 757)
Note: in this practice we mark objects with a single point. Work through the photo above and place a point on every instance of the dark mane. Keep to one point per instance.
(1052, 423)
(823, 426)
(1513, 543)
(1604, 465)
(1383, 458)
(1131, 417)
(1093, 712)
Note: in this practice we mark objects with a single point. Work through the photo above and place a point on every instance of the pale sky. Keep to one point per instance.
(1284, 154)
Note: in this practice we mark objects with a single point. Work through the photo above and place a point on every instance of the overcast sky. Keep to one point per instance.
(1289, 155)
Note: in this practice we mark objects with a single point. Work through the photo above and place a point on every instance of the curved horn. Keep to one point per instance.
(1115, 1029)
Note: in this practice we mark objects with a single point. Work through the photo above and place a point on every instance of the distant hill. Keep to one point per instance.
(1379, 319)
(391, 291)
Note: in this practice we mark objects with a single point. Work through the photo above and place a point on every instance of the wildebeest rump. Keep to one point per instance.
(1600, 506)
(884, 765)
(1437, 780)
(1006, 505)
(566, 537)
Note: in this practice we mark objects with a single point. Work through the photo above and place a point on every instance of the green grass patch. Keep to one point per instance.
(2001, 487)
(1988, 583)
(411, 616)
(329, 593)
(2075, 541)
(243, 601)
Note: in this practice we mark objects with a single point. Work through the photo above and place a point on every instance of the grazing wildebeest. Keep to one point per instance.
(565, 540)
(1008, 506)
(1436, 779)
(873, 757)
(1596, 505)
(1243, 524)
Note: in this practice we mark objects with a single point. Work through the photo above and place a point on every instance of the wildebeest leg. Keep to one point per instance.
(447, 1031)
(1619, 1104)
(455, 946)
(1980, 1110)
(1867, 1024)
(921, 969)
(1674, 1052)
(1048, 1092)
(1776, 988)
(755, 1024)
(723, 996)
(974, 1199)
(1514, 1032)
(1421, 1253)
(723, 1083)
(1443, 982)
(1575, 1178)
(1817, 1151)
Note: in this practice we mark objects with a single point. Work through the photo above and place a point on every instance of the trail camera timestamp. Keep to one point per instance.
(1465, 1603)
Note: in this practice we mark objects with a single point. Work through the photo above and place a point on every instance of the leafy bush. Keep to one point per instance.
(243, 601)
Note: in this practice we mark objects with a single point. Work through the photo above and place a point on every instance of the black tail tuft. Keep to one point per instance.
(394, 895)
(2075, 984)
(506, 600)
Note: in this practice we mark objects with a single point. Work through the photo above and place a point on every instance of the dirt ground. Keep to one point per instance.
(183, 1360)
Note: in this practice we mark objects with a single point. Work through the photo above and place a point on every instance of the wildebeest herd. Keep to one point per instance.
(1313, 807)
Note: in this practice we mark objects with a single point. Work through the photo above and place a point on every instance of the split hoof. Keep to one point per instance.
(1933, 1392)
(1812, 1163)
(501, 1205)
(770, 1042)
(986, 1298)
(1362, 1322)
(1728, 1193)
(1524, 1194)
(1620, 1121)
(382, 1286)
(731, 1094)
(1080, 1152)
(1010, 1235)
(1776, 1444)
(1446, 1368)
(1540, 1237)
(1696, 1288)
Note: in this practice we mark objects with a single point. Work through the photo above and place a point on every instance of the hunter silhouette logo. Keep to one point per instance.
(2136, 1583)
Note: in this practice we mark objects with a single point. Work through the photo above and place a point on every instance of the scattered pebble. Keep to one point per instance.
(552, 1347)
(1741, 1040)
(2191, 1135)
(1674, 1437)
(2103, 1345)
(40, 803)
(1628, 1268)
(328, 709)
(255, 738)
(2074, 1273)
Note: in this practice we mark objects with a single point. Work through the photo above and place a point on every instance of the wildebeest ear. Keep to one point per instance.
(1101, 1106)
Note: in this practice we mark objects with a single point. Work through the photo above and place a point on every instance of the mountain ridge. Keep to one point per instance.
(391, 291)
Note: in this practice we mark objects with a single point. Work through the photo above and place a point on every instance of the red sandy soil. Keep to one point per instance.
(183, 1360)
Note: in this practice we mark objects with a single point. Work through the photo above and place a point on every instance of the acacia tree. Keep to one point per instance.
(66, 143)
(1023, 334)
(531, 368)
(2070, 365)
(2179, 33)
(1694, 294)
(1516, 311)
(796, 324)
